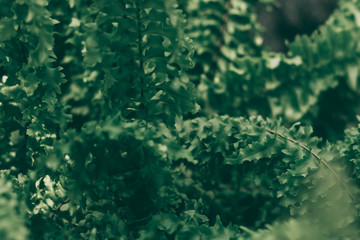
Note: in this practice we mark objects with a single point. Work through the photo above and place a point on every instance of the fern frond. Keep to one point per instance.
(224, 32)
(351, 149)
(306, 183)
(33, 80)
(242, 79)
(152, 75)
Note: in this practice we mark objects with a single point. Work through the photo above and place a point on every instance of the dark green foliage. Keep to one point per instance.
(142, 44)
(135, 119)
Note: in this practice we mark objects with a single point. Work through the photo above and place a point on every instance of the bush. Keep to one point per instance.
(135, 119)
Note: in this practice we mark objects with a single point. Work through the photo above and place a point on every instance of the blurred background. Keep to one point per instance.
(293, 17)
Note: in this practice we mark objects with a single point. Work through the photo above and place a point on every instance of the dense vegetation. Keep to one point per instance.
(134, 119)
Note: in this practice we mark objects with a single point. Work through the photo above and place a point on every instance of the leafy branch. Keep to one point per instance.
(327, 165)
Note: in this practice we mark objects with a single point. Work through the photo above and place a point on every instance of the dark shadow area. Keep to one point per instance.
(293, 17)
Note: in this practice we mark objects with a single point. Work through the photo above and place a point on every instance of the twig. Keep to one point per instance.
(58, 207)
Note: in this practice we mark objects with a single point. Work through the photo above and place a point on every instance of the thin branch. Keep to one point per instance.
(319, 159)
(58, 207)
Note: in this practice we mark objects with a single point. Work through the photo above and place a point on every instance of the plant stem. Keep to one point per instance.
(318, 158)
(58, 207)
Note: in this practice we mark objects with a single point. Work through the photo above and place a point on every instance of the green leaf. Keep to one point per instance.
(352, 71)
(7, 29)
